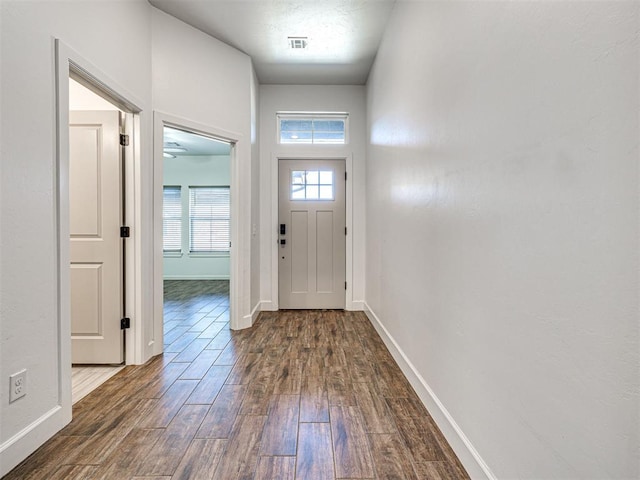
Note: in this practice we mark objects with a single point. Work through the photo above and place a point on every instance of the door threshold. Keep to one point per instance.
(86, 378)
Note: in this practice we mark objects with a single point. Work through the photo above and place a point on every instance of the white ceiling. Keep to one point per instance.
(344, 35)
(192, 143)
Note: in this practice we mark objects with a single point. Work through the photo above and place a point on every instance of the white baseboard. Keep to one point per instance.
(356, 306)
(255, 312)
(468, 455)
(247, 321)
(268, 306)
(29, 439)
(196, 277)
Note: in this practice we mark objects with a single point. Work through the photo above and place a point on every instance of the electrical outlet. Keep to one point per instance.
(18, 385)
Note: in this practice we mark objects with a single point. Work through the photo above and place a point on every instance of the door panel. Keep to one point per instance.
(324, 252)
(95, 200)
(299, 241)
(84, 181)
(86, 313)
(312, 266)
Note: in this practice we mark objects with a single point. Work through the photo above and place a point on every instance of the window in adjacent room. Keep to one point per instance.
(171, 220)
(209, 219)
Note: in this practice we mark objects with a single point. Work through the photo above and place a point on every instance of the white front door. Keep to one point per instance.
(95, 199)
(312, 229)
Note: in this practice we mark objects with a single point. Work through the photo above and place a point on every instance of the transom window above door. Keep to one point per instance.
(312, 185)
(312, 128)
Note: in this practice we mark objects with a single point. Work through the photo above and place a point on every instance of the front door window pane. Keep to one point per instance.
(312, 185)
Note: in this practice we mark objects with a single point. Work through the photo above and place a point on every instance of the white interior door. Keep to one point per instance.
(95, 191)
(311, 250)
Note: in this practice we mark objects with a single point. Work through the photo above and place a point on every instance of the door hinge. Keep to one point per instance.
(125, 232)
(345, 230)
(345, 176)
(125, 323)
(345, 285)
(124, 140)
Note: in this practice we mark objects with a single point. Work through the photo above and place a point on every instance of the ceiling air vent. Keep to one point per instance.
(298, 43)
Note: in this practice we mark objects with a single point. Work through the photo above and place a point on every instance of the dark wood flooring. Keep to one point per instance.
(301, 395)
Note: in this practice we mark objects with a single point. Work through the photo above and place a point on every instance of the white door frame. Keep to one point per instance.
(160, 120)
(68, 61)
(274, 238)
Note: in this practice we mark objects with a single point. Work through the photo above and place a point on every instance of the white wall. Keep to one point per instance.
(200, 79)
(502, 226)
(194, 171)
(308, 98)
(28, 258)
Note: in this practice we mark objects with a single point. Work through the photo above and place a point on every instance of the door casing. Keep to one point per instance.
(69, 62)
(236, 287)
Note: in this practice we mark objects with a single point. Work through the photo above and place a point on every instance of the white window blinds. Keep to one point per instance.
(209, 214)
(171, 219)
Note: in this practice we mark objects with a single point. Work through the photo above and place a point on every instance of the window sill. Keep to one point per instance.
(314, 145)
(172, 254)
(209, 254)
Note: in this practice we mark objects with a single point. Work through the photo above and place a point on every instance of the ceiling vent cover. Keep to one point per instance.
(297, 43)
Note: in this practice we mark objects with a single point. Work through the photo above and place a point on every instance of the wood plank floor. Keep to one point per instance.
(301, 395)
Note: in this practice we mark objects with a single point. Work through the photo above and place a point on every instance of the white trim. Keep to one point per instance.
(30, 438)
(268, 306)
(255, 311)
(135, 353)
(471, 460)
(139, 300)
(62, 57)
(196, 277)
(238, 319)
(358, 305)
(245, 322)
(275, 159)
(273, 232)
(348, 294)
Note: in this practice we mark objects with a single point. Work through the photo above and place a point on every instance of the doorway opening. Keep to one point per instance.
(97, 211)
(70, 65)
(196, 243)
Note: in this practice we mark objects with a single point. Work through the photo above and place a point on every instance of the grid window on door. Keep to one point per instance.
(312, 185)
(209, 219)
